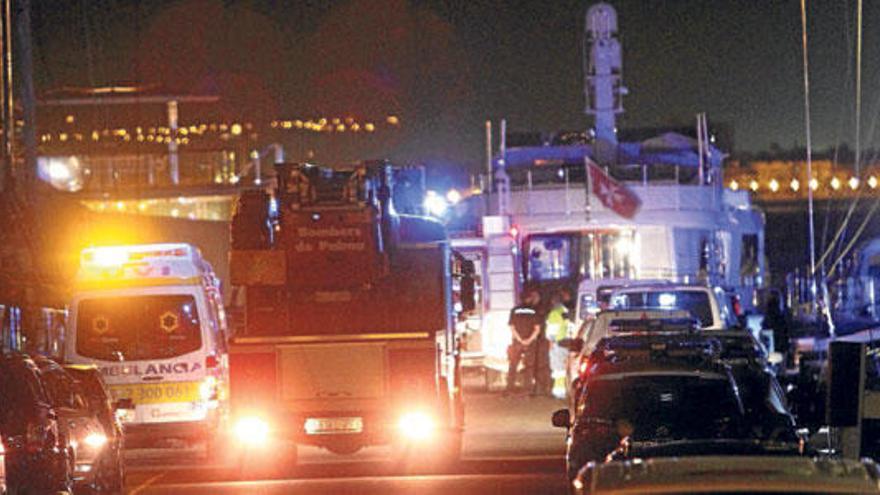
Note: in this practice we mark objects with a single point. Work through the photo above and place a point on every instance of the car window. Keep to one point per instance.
(89, 383)
(62, 390)
(138, 327)
(665, 406)
(696, 302)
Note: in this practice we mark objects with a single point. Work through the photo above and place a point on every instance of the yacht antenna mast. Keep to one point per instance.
(603, 65)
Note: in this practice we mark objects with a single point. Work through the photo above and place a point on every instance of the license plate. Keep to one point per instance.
(157, 393)
(330, 426)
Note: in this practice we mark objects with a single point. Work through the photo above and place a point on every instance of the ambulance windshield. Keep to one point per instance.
(137, 327)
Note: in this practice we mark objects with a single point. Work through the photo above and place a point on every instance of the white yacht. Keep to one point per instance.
(577, 215)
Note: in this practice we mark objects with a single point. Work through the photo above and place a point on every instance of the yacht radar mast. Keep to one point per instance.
(603, 65)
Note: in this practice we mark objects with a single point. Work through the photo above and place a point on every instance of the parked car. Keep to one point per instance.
(595, 295)
(709, 305)
(110, 472)
(612, 321)
(729, 474)
(78, 422)
(671, 395)
(762, 396)
(37, 456)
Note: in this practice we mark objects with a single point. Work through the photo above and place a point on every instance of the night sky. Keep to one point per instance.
(445, 67)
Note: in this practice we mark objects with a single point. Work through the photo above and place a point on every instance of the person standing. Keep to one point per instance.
(525, 329)
(557, 325)
(775, 320)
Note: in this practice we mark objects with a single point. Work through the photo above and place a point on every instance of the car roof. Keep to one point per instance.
(664, 288)
(656, 365)
(730, 348)
(642, 313)
(45, 364)
(590, 284)
(17, 358)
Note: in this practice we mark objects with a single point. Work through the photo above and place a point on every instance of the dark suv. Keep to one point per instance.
(97, 461)
(110, 466)
(669, 395)
(37, 456)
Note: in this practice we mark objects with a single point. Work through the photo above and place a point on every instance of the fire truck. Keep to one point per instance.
(348, 334)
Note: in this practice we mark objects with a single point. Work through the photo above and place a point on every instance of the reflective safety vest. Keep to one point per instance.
(557, 323)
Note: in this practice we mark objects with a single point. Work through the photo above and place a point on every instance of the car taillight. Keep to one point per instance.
(211, 362)
(737, 306)
(583, 367)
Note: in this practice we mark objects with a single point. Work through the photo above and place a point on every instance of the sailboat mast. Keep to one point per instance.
(812, 229)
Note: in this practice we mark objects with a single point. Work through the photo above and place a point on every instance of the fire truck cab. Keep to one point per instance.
(347, 338)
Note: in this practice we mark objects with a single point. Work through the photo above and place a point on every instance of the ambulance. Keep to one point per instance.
(151, 318)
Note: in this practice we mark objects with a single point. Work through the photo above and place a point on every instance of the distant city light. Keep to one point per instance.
(734, 185)
(853, 183)
(872, 182)
(774, 185)
(753, 185)
(795, 185)
(814, 184)
(835, 183)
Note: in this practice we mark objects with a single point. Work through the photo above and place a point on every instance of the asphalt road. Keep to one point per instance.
(509, 447)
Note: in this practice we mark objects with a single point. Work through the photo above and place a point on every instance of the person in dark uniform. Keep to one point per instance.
(525, 328)
(775, 320)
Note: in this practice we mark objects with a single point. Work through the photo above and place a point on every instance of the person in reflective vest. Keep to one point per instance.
(558, 325)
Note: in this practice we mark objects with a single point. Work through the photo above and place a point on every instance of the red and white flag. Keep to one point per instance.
(614, 195)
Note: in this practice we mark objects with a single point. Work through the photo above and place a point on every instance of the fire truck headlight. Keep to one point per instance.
(252, 431)
(416, 425)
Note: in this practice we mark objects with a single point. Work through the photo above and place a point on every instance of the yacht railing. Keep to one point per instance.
(677, 183)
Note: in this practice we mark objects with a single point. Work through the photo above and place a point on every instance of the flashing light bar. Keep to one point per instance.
(141, 262)
(109, 256)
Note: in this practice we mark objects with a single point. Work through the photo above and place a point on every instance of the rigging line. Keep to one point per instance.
(841, 230)
(812, 228)
(858, 85)
(855, 238)
(873, 156)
